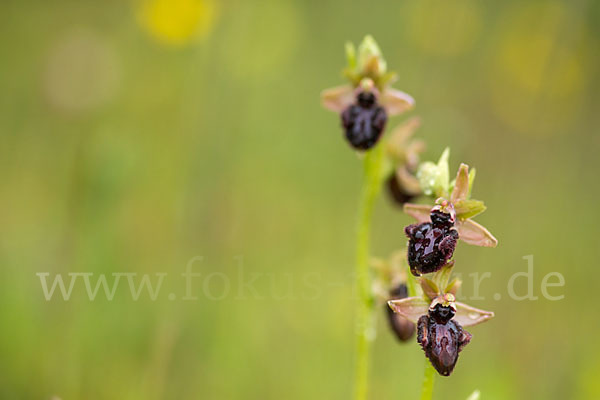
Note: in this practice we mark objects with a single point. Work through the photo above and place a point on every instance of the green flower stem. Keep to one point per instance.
(411, 282)
(428, 378)
(372, 178)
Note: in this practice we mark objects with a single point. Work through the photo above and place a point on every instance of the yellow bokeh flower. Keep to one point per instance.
(176, 22)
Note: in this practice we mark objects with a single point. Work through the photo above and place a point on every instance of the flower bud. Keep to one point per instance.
(370, 59)
(397, 192)
(403, 328)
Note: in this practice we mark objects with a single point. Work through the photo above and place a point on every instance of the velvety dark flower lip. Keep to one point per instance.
(364, 121)
(364, 110)
(442, 338)
(441, 342)
(440, 325)
(431, 244)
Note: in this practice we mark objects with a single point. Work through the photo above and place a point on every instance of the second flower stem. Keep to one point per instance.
(429, 371)
(372, 177)
(428, 378)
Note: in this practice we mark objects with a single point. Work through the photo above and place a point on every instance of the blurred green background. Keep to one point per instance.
(135, 136)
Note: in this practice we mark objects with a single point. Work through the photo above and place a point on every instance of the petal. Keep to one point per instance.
(408, 181)
(430, 289)
(396, 102)
(469, 316)
(370, 58)
(411, 308)
(441, 186)
(453, 286)
(472, 233)
(351, 55)
(403, 132)
(413, 150)
(461, 187)
(469, 208)
(471, 180)
(338, 98)
(420, 212)
(387, 79)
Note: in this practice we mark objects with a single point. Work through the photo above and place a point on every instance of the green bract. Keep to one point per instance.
(433, 178)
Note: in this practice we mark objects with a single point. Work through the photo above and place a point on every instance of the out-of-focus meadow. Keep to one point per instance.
(135, 136)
